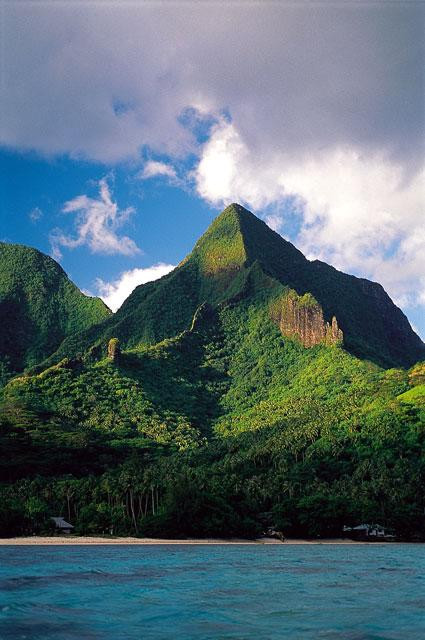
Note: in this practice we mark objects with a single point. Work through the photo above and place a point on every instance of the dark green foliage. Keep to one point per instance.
(373, 326)
(239, 256)
(211, 418)
(250, 423)
(39, 307)
(368, 467)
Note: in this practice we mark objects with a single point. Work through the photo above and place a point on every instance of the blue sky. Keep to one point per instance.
(126, 128)
(166, 222)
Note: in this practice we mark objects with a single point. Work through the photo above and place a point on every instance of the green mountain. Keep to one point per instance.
(239, 257)
(247, 388)
(39, 307)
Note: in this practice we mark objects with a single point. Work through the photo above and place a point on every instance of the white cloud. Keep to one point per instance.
(420, 333)
(229, 171)
(114, 293)
(403, 273)
(357, 211)
(323, 102)
(103, 80)
(154, 168)
(217, 174)
(97, 222)
(35, 214)
(274, 221)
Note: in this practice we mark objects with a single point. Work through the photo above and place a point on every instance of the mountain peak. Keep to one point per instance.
(237, 237)
(235, 209)
(373, 326)
(239, 258)
(238, 211)
(222, 248)
(238, 216)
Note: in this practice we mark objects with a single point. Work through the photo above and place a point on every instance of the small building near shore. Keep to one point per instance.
(368, 532)
(61, 525)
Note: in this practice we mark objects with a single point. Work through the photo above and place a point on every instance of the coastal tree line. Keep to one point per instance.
(306, 482)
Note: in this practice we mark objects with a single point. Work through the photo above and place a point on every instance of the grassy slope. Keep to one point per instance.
(232, 372)
(221, 265)
(39, 306)
(415, 396)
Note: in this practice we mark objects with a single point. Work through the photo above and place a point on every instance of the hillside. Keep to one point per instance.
(239, 256)
(231, 398)
(39, 307)
(203, 433)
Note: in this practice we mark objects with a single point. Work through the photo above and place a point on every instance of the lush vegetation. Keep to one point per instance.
(220, 431)
(239, 255)
(370, 467)
(39, 307)
(207, 421)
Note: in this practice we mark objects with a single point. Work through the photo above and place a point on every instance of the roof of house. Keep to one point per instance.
(61, 523)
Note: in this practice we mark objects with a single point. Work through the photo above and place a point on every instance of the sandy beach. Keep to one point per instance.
(87, 540)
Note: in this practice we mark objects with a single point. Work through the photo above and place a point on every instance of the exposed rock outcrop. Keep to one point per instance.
(302, 317)
(114, 349)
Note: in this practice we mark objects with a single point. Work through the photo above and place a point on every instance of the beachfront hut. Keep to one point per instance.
(368, 532)
(61, 525)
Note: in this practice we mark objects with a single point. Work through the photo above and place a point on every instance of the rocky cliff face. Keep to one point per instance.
(114, 350)
(302, 317)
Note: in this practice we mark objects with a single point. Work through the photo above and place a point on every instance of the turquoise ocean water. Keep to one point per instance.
(213, 592)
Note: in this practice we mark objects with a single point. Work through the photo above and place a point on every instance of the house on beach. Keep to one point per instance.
(369, 532)
(61, 525)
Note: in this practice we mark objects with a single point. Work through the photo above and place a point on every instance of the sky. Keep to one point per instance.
(126, 127)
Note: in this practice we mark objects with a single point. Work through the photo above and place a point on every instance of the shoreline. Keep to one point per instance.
(98, 540)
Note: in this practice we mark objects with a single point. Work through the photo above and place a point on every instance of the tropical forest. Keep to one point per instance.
(250, 388)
